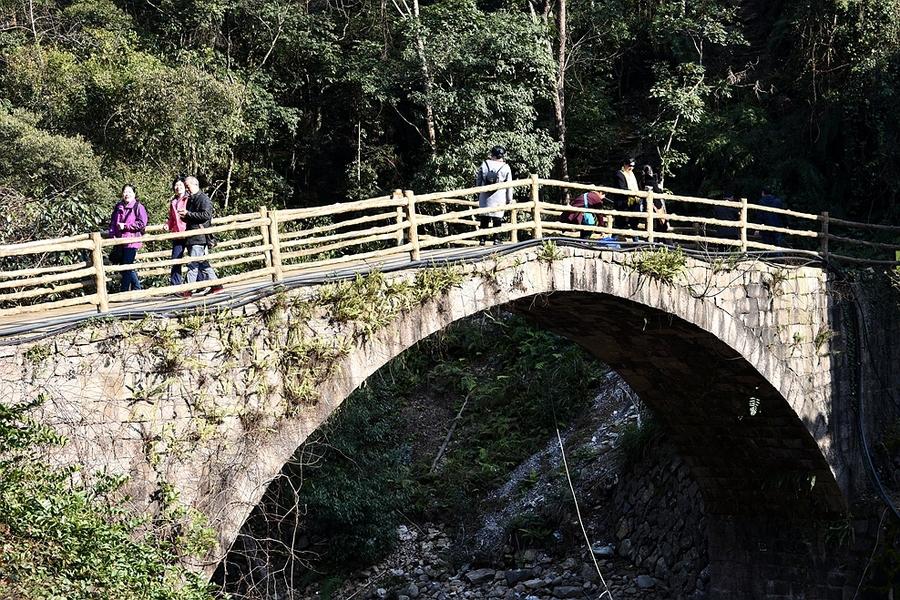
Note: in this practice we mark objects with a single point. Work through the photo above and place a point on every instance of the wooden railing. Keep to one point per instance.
(270, 245)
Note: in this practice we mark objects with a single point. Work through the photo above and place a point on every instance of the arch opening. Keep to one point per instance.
(756, 463)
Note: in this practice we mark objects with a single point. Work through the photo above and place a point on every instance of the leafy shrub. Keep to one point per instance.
(661, 264)
(636, 438)
(63, 539)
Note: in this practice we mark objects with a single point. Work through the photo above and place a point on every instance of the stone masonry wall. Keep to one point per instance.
(662, 522)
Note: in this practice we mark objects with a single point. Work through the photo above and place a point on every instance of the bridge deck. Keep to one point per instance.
(37, 323)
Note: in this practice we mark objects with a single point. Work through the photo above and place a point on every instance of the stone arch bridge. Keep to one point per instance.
(750, 366)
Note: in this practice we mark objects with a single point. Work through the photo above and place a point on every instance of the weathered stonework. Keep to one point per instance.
(738, 362)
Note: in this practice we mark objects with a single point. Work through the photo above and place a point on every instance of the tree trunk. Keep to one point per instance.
(559, 87)
(228, 178)
(426, 75)
(559, 98)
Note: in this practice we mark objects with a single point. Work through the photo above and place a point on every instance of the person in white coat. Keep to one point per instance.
(493, 170)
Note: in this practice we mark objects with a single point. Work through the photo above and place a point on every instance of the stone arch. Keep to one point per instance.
(745, 422)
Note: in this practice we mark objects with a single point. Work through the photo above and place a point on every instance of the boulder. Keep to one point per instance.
(480, 576)
(514, 576)
(567, 591)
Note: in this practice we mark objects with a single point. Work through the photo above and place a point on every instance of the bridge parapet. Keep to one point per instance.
(270, 245)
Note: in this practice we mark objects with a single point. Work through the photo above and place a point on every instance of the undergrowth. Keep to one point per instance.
(61, 538)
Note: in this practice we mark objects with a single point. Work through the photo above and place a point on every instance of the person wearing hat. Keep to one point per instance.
(493, 170)
(626, 180)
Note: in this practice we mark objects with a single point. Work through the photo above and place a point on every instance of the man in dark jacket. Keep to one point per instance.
(769, 200)
(197, 215)
(626, 180)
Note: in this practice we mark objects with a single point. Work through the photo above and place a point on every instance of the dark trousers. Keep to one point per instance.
(486, 222)
(130, 279)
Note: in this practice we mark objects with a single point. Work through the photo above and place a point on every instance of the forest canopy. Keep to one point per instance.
(287, 103)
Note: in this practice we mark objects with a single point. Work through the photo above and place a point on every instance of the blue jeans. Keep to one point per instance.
(177, 252)
(130, 279)
(199, 270)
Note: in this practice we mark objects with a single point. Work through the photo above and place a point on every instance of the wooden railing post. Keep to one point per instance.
(649, 201)
(536, 207)
(514, 219)
(264, 231)
(743, 224)
(397, 195)
(99, 272)
(414, 253)
(275, 239)
(823, 242)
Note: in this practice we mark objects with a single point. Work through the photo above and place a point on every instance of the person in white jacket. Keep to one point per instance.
(493, 170)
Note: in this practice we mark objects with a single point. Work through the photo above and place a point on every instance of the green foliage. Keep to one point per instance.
(636, 439)
(351, 481)
(822, 338)
(290, 104)
(61, 538)
(549, 252)
(662, 264)
(38, 353)
(894, 276)
(50, 185)
(373, 301)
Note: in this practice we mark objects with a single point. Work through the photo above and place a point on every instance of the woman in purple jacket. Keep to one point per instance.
(129, 219)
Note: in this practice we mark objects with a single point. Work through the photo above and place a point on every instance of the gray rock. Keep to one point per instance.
(567, 591)
(604, 550)
(412, 590)
(645, 582)
(662, 569)
(480, 576)
(589, 573)
(381, 593)
(534, 583)
(514, 576)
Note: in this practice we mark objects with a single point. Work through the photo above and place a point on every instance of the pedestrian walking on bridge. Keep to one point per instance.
(493, 170)
(198, 216)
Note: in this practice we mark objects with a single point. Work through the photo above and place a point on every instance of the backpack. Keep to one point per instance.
(491, 177)
(587, 218)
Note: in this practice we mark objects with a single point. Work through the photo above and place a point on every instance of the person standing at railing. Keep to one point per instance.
(726, 213)
(626, 180)
(493, 170)
(128, 220)
(650, 183)
(198, 215)
(177, 203)
(769, 200)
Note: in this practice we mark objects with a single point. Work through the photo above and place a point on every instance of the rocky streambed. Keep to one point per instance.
(641, 512)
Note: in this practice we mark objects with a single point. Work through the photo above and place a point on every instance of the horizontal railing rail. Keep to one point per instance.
(267, 245)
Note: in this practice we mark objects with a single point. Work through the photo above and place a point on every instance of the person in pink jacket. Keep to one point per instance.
(177, 203)
(128, 220)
